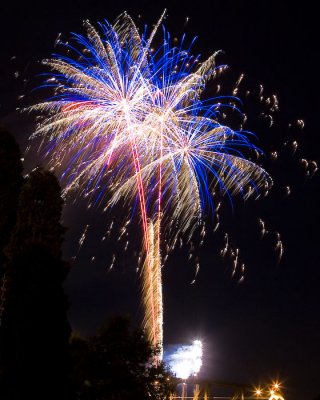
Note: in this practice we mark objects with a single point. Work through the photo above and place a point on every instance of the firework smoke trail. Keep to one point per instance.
(127, 123)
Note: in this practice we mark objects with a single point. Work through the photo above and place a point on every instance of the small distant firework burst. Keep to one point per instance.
(127, 122)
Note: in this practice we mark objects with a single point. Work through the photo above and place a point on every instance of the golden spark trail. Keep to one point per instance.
(152, 289)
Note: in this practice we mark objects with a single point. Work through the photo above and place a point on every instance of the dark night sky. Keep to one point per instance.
(268, 326)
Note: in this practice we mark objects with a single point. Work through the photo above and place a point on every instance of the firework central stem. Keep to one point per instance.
(151, 331)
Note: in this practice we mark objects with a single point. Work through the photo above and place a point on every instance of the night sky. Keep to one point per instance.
(266, 327)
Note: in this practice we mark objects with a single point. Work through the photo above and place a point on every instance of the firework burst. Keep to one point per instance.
(129, 123)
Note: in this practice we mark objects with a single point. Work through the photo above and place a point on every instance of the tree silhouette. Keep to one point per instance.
(116, 364)
(36, 326)
(34, 335)
(39, 214)
(10, 184)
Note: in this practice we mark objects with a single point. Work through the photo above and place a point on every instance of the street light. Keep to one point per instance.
(270, 392)
(275, 391)
(276, 386)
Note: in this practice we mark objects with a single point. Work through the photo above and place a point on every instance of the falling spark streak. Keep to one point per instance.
(197, 271)
(112, 263)
(288, 190)
(127, 122)
(226, 247)
(279, 246)
(83, 237)
(294, 146)
(263, 227)
(314, 168)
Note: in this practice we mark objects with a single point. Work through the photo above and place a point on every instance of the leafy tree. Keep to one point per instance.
(35, 321)
(116, 364)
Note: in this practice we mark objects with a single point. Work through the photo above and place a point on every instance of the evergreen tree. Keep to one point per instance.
(37, 328)
(39, 214)
(10, 185)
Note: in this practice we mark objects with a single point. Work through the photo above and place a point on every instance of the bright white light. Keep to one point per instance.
(186, 360)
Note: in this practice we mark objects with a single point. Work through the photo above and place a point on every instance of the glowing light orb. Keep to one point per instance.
(186, 361)
(275, 396)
